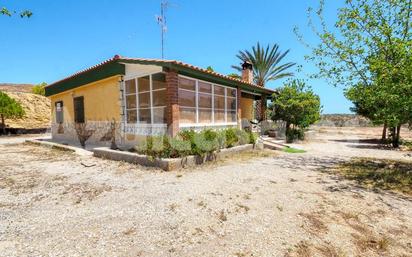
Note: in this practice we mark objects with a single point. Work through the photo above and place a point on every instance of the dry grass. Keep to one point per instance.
(83, 191)
(328, 250)
(306, 249)
(380, 174)
(364, 238)
(370, 242)
(129, 231)
(22, 181)
(240, 157)
(303, 250)
(222, 216)
(241, 206)
(252, 154)
(201, 204)
(315, 222)
(173, 207)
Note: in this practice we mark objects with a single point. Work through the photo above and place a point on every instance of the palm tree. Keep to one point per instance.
(266, 63)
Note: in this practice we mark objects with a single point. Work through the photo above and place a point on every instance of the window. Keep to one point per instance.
(59, 112)
(187, 100)
(78, 103)
(231, 105)
(146, 99)
(202, 102)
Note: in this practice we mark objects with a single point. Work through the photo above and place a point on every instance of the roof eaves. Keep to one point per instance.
(178, 64)
(97, 72)
(171, 64)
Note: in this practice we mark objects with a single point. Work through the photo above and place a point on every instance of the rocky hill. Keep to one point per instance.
(10, 87)
(37, 107)
(343, 120)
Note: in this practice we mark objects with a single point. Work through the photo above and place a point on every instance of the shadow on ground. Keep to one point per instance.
(374, 144)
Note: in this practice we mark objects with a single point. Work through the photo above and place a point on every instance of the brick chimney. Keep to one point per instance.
(247, 72)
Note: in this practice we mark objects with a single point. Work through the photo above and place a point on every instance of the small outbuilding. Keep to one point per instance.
(130, 98)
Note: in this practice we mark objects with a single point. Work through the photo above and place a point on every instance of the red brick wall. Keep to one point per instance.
(172, 103)
(239, 110)
(263, 108)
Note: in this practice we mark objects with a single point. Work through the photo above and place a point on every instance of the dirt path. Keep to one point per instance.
(281, 205)
(19, 139)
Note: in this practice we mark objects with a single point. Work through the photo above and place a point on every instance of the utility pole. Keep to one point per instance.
(161, 20)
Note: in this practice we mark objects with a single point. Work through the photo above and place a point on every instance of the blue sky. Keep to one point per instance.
(63, 37)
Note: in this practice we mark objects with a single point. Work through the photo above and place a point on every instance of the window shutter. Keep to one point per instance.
(78, 109)
(59, 111)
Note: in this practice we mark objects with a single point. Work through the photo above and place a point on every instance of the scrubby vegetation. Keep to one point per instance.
(382, 174)
(39, 89)
(9, 108)
(190, 142)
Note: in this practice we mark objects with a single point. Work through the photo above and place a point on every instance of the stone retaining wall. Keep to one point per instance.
(166, 164)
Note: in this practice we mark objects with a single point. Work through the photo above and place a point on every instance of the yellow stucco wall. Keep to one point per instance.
(246, 105)
(101, 101)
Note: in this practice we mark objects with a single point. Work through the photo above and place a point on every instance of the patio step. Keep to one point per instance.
(273, 144)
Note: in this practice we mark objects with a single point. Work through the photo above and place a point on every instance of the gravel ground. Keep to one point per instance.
(54, 203)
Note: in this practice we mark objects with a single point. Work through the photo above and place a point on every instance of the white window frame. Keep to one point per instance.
(127, 78)
(213, 123)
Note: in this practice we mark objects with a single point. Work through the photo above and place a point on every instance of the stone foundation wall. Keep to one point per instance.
(127, 135)
(101, 133)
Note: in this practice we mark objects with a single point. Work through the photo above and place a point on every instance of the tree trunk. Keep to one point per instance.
(396, 131)
(3, 124)
(287, 127)
(385, 128)
(398, 135)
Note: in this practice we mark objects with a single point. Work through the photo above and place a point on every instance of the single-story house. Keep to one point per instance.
(138, 97)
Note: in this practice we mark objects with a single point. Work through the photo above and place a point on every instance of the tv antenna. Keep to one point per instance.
(161, 20)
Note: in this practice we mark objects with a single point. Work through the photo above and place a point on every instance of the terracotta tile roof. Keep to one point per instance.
(118, 58)
(194, 68)
(85, 70)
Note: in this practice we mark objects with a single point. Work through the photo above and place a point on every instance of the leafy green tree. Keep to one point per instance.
(266, 63)
(210, 68)
(234, 75)
(7, 12)
(39, 89)
(296, 104)
(9, 108)
(370, 47)
(366, 105)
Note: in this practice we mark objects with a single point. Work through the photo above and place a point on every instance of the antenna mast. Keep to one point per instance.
(161, 20)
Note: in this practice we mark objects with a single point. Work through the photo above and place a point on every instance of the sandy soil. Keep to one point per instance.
(55, 203)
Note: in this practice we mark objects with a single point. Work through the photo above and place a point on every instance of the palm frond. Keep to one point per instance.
(266, 63)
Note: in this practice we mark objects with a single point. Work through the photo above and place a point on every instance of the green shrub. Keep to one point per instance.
(188, 135)
(252, 138)
(155, 147)
(231, 137)
(294, 134)
(189, 142)
(221, 138)
(243, 137)
(180, 147)
(39, 89)
(209, 134)
(206, 142)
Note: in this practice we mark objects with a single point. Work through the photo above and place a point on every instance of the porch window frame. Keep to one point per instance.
(226, 110)
(137, 92)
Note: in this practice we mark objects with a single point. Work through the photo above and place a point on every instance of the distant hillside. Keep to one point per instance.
(9, 87)
(37, 107)
(343, 120)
